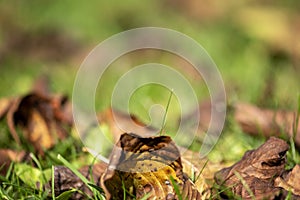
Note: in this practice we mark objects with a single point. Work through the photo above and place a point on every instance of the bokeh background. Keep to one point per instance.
(255, 45)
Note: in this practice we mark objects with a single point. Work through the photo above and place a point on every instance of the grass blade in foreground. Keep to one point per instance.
(79, 175)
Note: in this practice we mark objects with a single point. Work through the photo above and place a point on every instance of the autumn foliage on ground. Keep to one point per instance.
(256, 48)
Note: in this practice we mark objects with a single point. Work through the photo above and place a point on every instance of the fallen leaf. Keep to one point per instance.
(258, 121)
(254, 175)
(65, 180)
(293, 179)
(202, 170)
(4, 106)
(143, 166)
(290, 182)
(7, 156)
(42, 120)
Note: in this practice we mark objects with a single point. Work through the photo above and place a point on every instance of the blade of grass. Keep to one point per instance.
(34, 158)
(219, 192)
(72, 168)
(297, 118)
(146, 196)
(295, 129)
(67, 194)
(4, 195)
(79, 175)
(166, 112)
(52, 183)
(245, 185)
(288, 196)
(124, 190)
(96, 187)
(192, 177)
(201, 170)
(176, 188)
(92, 184)
(9, 171)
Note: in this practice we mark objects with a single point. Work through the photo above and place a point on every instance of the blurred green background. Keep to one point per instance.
(254, 43)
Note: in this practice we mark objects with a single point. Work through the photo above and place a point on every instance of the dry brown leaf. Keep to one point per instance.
(41, 118)
(144, 166)
(4, 106)
(258, 121)
(254, 174)
(37, 131)
(261, 174)
(290, 182)
(65, 179)
(202, 169)
(7, 156)
(293, 179)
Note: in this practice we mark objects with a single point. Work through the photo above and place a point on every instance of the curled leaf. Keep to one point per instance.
(254, 175)
(143, 166)
(40, 118)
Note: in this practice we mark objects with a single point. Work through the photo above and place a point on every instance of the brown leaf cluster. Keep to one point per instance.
(38, 117)
(254, 120)
(260, 174)
(142, 164)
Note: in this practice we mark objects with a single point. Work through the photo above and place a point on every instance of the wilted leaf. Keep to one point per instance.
(293, 179)
(143, 166)
(41, 118)
(7, 156)
(290, 181)
(258, 121)
(4, 106)
(65, 180)
(254, 175)
(201, 171)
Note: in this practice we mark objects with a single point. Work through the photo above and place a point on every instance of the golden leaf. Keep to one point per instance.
(144, 166)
